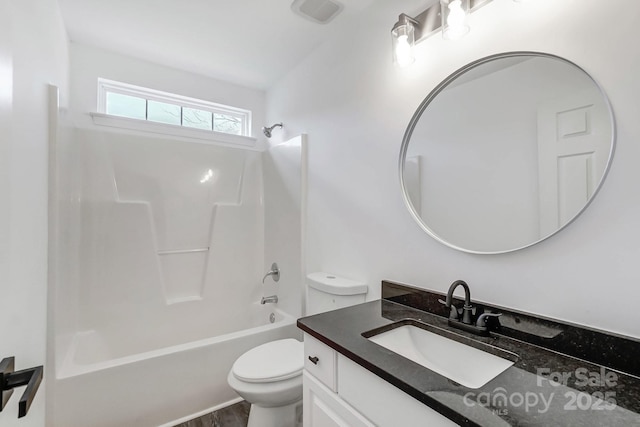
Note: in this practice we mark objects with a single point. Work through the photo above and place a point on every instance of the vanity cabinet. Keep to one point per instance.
(323, 406)
(337, 392)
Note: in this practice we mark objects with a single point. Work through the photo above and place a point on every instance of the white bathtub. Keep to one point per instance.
(102, 382)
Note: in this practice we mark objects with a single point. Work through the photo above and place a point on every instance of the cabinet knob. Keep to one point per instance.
(314, 359)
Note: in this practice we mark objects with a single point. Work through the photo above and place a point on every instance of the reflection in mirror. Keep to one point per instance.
(506, 152)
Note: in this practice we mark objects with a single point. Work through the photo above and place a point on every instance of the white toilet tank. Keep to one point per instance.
(327, 292)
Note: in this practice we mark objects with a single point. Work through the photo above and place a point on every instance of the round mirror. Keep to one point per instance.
(506, 152)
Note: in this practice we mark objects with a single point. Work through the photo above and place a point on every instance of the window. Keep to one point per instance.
(134, 102)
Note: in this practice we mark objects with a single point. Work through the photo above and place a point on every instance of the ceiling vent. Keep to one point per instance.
(319, 11)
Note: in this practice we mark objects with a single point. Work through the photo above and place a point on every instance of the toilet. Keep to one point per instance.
(269, 376)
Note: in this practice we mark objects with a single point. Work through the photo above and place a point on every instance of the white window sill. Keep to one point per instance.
(173, 130)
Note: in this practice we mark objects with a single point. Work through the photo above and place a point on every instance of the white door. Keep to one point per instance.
(23, 285)
(6, 90)
(574, 142)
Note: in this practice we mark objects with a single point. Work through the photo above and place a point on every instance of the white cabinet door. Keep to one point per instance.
(383, 403)
(323, 408)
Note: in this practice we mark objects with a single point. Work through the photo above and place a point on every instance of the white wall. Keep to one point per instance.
(89, 63)
(33, 53)
(355, 107)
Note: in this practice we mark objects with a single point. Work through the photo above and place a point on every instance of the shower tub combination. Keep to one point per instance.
(158, 279)
(158, 387)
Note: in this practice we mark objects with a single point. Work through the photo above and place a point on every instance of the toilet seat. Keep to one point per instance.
(274, 361)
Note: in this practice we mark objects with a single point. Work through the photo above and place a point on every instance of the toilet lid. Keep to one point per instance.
(273, 361)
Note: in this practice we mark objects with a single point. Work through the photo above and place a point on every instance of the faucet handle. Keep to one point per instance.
(482, 319)
(275, 272)
(453, 314)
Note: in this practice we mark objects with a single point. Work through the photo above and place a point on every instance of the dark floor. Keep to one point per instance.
(231, 416)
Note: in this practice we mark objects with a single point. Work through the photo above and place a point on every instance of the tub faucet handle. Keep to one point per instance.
(275, 272)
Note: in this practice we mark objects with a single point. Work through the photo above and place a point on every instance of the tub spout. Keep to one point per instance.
(273, 299)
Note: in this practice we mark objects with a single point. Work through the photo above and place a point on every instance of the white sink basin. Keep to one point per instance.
(459, 362)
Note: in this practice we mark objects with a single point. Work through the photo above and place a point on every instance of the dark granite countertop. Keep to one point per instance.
(596, 376)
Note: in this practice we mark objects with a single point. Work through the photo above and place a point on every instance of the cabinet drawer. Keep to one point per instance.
(320, 361)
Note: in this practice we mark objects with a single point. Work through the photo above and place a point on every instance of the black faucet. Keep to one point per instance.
(467, 309)
(466, 323)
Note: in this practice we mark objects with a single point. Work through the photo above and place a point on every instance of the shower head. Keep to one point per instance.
(267, 130)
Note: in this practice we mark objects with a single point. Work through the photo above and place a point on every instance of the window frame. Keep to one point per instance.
(105, 86)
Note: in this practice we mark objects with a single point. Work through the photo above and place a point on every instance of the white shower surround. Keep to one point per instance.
(139, 341)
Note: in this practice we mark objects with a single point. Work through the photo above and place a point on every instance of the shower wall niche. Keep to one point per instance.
(168, 243)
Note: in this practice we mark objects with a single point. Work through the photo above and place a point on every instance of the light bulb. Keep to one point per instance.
(456, 14)
(403, 37)
(404, 55)
(456, 26)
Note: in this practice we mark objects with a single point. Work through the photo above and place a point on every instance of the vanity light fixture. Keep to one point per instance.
(403, 37)
(449, 16)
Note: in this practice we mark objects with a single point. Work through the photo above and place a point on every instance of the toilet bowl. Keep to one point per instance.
(269, 377)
